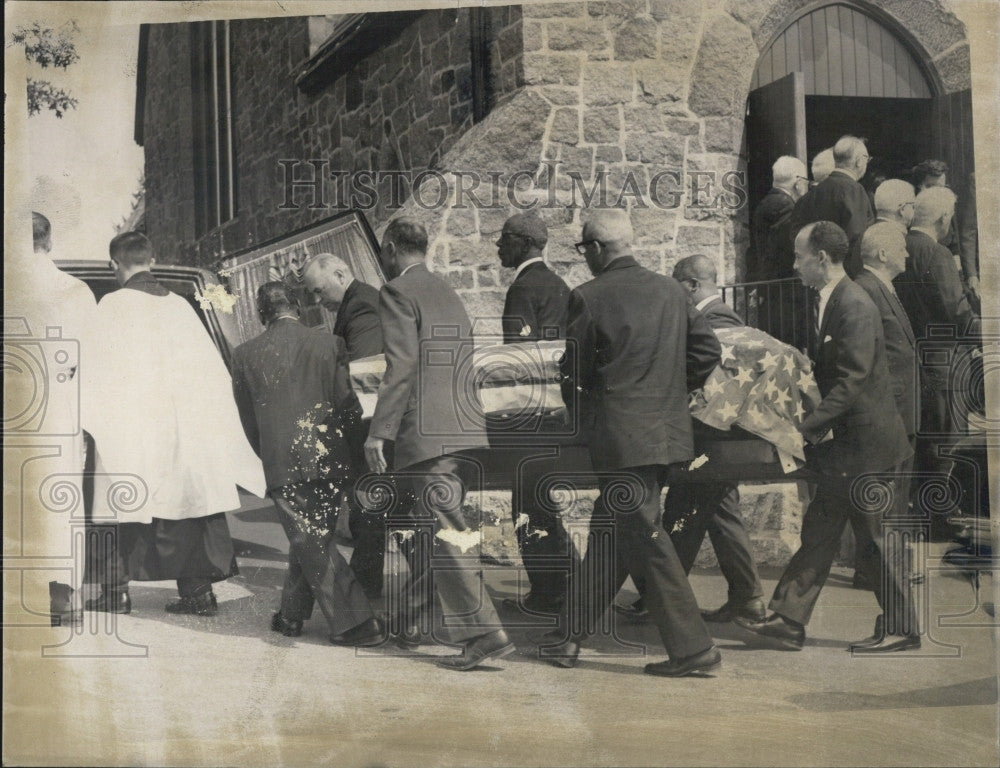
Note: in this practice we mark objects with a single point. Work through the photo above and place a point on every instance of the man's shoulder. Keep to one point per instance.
(538, 276)
(366, 294)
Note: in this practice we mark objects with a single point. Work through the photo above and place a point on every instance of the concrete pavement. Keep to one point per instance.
(151, 688)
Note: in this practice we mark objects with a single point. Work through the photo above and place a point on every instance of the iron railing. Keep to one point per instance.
(782, 308)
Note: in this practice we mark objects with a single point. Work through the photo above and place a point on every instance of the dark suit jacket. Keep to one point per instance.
(842, 200)
(900, 346)
(537, 300)
(635, 345)
(854, 383)
(771, 255)
(931, 289)
(426, 402)
(721, 315)
(293, 392)
(357, 321)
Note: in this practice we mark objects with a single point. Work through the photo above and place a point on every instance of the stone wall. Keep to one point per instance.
(401, 108)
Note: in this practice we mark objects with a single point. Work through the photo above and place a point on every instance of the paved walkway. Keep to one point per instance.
(227, 691)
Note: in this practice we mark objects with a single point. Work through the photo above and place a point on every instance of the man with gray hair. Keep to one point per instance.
(840, 198)
(770, 256)
(931, 291)
(894, 201)
(330, 282)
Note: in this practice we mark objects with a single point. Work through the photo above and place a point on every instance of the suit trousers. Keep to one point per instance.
(823, 524)
(544, 546)
(626, 538)
(690, 510)
(431, 494)
(316, 569)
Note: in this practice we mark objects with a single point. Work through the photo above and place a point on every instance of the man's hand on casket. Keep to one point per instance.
(375, 455)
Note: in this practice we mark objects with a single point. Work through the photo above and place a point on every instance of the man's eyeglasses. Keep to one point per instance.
(581, 247)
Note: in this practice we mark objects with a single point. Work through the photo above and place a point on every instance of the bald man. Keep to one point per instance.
(329, 282)
(930, 290)
(840, 198)
(894, 201)
(635, 345)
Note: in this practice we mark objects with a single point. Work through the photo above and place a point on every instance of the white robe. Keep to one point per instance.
(48, 319)
(169, 440)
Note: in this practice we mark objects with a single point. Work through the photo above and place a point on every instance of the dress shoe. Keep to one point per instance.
(534, 603)
(890, 643)
(875, 637)
(364, 635)
(751, 609)
(111, 602)
(492, 645)
(409, 637)
(636, 611)
(790, 636)
(288, 628)
(554, 648)
(197, 605)
(700, 663)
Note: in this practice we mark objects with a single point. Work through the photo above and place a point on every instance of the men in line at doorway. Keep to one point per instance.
(931, 291)
(840, 198)
(535, 309)
(329, 281)
(962, 236)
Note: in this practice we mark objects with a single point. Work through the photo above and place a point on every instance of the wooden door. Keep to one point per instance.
(776, 126)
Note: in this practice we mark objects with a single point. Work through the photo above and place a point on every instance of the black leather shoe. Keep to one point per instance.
(701, 663)
(554, 648)
(752, 609)
(288, 628)
(61, 610)
(198, 605)
(492, 645)
(790, 636)
(366, 634)
(890, 643)
(637, 611)
(111, 602)
(409, 637)
(875, 637)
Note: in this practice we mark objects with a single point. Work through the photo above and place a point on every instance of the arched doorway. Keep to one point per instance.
(847, 67)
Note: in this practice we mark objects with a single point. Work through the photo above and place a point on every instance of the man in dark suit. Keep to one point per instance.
(535, 309)
(426, 408)
(883, 250)
(840, 198)
(930, 290)
(711, 507)
(329, 281)
(298, 411)
(868, 436)
(635, 344)
(770, 256)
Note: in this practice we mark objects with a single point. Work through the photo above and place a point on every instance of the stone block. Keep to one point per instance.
(606, 82)
(955, 71)
(723, 68)
(488, 277)
(576, 36)
(510, 42)
(560, 96)
(565, 126)
(552, 10)
(460, 278)
(653, 225)
(461, 222)
(636, 39)
(692, 239)
(609, 153)
(578, 160)
(682, 126)
(620, 9)
(508, 138)
(601, 124)
(551, 69)
(723, 134)
(659, 82)
(643, 117)
(531, 35)
(466, 253)
(662, 150)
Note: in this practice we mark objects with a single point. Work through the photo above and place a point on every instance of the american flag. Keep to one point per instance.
(761, 385)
